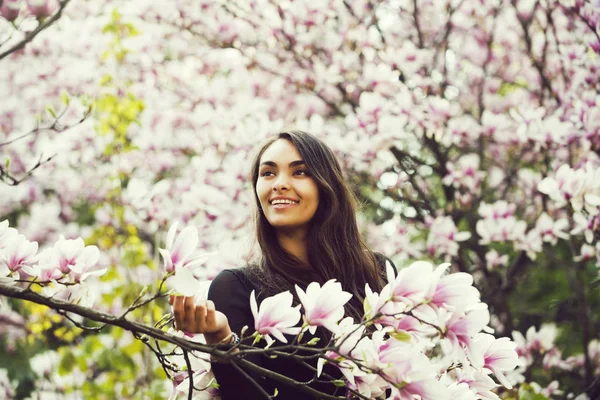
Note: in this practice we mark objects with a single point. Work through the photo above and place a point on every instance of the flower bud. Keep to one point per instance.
(10, 9)
(42, 8)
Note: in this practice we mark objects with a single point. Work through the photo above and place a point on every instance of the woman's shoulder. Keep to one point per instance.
(232, 278)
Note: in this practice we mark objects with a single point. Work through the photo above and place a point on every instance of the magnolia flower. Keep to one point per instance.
(585, 225)
(276, 316)
(42, 8)
(6, 233)
(186, 283)
(497, 210)
(588, 252)
(552, 230)
(323, 306)
(412, 283)
(411, 371)
(375, 303)
(461, 328)
(17, 253)
(454, 290)
(180, 249)
(499, 356)
(478, 383)
(67, 253)
(494, 260)
(465, 173)
(500, 230)
(443, 237)
(10, 9)
(203, 379)
(580, 187)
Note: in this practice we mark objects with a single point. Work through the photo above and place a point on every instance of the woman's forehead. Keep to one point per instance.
(280, 151)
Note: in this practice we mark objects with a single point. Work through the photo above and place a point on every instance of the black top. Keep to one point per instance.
(230, 291)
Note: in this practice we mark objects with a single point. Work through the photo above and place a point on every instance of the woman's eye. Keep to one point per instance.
(266, 173)
(302, 171)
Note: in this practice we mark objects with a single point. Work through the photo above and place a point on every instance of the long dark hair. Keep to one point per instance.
(336, 248)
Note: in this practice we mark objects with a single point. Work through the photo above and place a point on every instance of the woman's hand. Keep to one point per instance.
(200, 318)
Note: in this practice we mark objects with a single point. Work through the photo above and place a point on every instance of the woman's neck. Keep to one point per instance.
(294, 243)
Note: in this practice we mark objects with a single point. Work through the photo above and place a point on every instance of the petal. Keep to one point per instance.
(185, 282)
(186, 243)
(171, 235)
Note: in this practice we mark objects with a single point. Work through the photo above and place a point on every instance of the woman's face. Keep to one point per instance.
(288, 194)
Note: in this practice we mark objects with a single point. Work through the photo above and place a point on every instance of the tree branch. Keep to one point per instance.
(31, 35)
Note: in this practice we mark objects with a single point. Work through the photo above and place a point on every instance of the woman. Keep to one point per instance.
(307, 231)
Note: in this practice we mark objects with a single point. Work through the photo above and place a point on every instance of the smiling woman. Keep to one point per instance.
(307, 231)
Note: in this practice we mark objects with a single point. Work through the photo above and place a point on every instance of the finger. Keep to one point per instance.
(200, 318)
(211, 321)
(188, 311)
(179, 312)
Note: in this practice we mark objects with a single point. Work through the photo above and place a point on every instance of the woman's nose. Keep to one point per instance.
(281, 183)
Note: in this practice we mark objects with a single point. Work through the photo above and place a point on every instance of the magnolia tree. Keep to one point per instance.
(471, 134)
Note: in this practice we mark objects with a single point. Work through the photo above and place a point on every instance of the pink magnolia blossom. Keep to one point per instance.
(498, 210)
(587, 253)
(494, 260)
(42, 8)
(10, 9)
(550, 229)
(444, 236)
(381, 303)
(499, 356)
(180, 249)
(18, 252)
(480, 384)
(410, 370)
(187, 284)
(461, 328)
(67, 253)
(412, 283)
(585, 225)
(464, 173)
(454, 291)
(276, 316)
(6, 233)
(323, 306)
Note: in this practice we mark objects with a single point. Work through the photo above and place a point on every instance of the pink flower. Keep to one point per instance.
(18, 252)
(180, 249)
(10, 9)
(42, 8)
(323, 306)
(454, 290)
(6, 233)
(412, 283)
(410, 370)
(276, 316)
(461, 328)
(499, 356)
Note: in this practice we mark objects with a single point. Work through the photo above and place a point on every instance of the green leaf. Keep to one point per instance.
(67, 363)
(339, 382)
(64, 96)
(7, 163)
(51, 111)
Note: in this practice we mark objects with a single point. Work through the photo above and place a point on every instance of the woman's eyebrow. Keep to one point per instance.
(292, 164)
